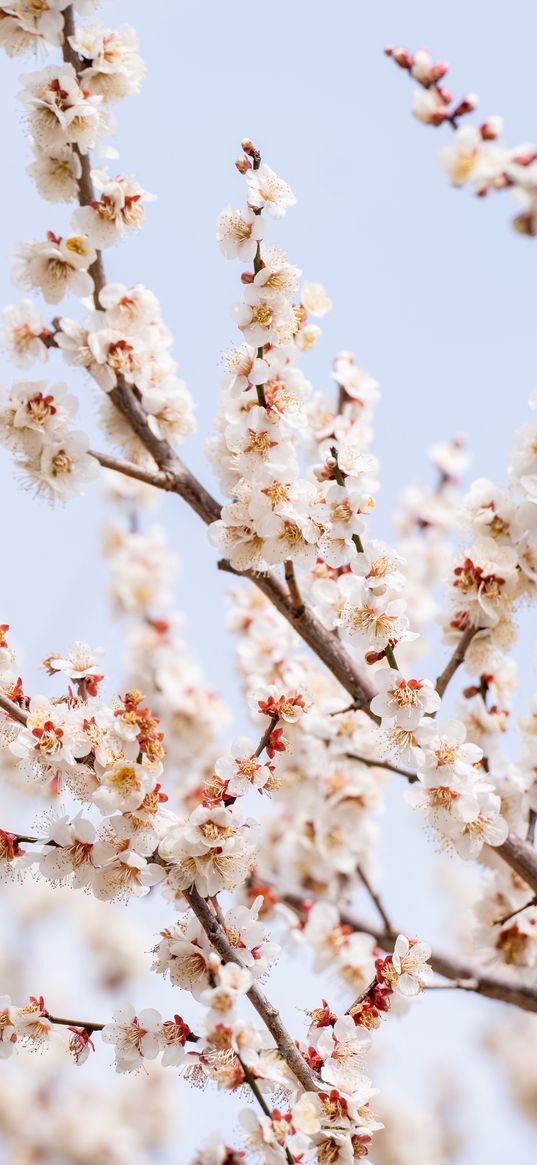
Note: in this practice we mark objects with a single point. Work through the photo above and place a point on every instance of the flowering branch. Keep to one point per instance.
(269, 1014)
(174, 477)
(491, 986)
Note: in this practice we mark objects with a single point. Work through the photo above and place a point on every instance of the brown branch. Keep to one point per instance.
(266, 1010)
(375, 899)
(82, 1023)
(410, 776)
(12, 709)
(267, 735)
(521, 857)
(90, 1027)
(491, 986)
(294, 593)
(456, 659)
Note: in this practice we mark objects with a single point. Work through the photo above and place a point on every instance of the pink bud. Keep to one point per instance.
(243, 165)
(467, 105)
(402, 57)
(438, 71)
(525, 159)
(491, 129)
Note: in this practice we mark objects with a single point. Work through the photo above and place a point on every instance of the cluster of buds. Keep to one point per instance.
(477, 154)
(435, 105)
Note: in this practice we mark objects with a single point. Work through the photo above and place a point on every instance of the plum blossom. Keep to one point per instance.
(241, 769)
(24, 337)
(406, 701)
(114, 68)
(266, 190)
(60, 111)
(238, 232)
(135, 1037)
(411, 963)
(118, 209)
(55, 267)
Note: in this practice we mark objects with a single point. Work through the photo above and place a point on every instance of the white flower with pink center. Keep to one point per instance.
(135, 1037)
(411, 962)
(405, 701)
(241, 769)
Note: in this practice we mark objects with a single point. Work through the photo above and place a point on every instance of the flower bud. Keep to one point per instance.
(491, 129)
(402, 57)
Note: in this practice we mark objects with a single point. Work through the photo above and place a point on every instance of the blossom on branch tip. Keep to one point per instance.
(55, 267)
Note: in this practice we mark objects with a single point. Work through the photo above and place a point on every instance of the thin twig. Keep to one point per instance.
(217, 909)
(456, 985)
(456, 659)
(81, 1023)
(384, 764)
(375, 900)
(91, 1026)
(267, 735)
(513, 914)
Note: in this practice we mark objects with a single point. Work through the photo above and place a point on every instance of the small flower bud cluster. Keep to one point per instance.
(477, 154)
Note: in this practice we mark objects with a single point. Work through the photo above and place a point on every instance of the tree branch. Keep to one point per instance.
(269, 1014)
(12, 709)
(375, 899)
(521, 857)
(294, 593)
(384, 764)
(491, 986)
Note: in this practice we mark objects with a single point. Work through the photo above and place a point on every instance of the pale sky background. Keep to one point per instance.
(432, 290)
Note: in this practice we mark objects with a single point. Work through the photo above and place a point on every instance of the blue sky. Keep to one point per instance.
(432, 289)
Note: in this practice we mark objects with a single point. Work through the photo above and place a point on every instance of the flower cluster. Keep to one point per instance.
(326, 801)
(35, 425)
(272, 514)
(477, 154)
